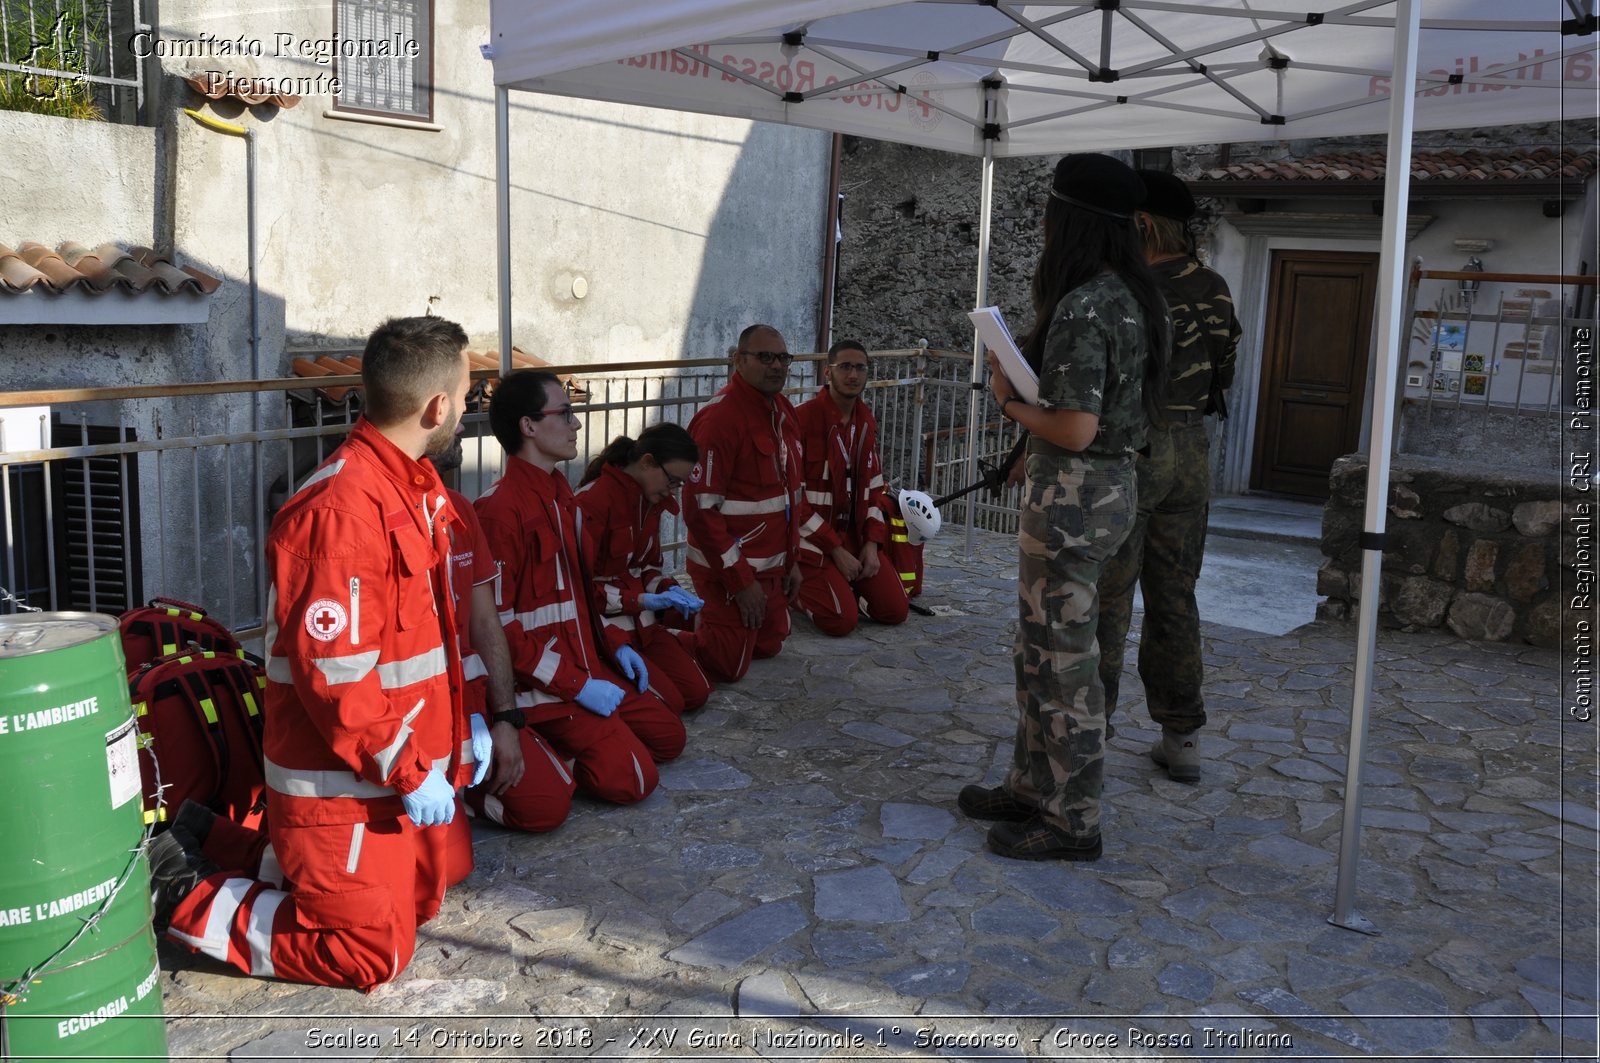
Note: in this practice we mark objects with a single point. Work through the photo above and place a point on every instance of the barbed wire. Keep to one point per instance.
(8, 598)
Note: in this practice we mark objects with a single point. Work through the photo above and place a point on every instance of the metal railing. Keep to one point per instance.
(148, 490)
(1503, 349)
(70, 58)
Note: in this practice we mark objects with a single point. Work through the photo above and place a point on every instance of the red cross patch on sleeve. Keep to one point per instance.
(326, 620)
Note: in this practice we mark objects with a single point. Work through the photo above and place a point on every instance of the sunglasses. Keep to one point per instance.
(768, 357)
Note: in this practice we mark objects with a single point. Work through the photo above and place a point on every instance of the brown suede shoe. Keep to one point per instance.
(1037, 840)
(992, 802)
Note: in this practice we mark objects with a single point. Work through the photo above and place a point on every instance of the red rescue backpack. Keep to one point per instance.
(167, 626)
(199, 714)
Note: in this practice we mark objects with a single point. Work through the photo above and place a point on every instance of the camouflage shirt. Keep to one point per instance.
(1205, 334)
(1094, 359)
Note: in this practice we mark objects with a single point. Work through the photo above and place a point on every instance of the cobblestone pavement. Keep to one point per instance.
(802, 887)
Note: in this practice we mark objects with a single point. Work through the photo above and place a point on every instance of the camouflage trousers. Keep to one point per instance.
(1075, 514)
(1163, 555)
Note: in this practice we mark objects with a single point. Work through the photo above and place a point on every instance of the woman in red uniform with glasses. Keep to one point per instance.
(624, 494)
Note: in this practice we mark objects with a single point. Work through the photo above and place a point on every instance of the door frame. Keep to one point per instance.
(1243, 248)
(1367, 264)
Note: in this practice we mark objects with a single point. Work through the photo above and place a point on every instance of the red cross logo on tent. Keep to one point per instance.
(326, 620)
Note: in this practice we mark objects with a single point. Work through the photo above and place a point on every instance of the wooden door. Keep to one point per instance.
(1314, 367)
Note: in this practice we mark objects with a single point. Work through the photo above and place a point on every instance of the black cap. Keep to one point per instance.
(1166, 195)
(1098, 183)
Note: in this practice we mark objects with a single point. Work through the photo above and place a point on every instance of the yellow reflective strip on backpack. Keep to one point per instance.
(250, 705)
(909, 577)
(209, 709)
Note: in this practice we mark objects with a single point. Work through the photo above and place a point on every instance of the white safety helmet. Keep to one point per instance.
(921, 516)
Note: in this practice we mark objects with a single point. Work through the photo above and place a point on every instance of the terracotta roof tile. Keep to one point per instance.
(326, 365)
(1508, 164)
(216, 85)
(72, 267)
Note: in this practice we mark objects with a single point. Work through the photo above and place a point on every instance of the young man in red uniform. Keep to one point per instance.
(600, 715)
(744, 508)
(515, 778)
(844, 577)
(363, 733)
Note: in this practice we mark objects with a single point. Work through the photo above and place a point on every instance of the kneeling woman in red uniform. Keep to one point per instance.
(622, 498)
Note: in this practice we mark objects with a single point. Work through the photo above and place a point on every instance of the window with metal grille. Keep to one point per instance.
(73, 541)
(384, 57)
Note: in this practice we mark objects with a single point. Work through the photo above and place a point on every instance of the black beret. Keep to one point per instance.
(1167, 195)
(1098, 183)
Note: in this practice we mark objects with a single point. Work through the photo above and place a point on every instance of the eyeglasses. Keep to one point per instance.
(768, 357)
(673, 482)
(564, 412)
(850, 367)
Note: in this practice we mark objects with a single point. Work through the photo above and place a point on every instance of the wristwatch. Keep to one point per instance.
(512, 716)
(1008, 401)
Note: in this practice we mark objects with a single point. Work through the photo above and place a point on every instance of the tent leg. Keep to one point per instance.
(502, 210)
(1391, 272)
(975, 400)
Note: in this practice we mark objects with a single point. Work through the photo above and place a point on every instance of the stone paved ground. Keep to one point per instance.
(802, 880)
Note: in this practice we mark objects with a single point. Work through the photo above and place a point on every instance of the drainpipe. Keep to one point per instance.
(830, 247)
(230, 128)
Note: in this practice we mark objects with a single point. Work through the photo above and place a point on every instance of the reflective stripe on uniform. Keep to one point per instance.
(258, 932)
(549, 661)
(735, 507)
(328, 783)
(392, 675)
(820, 498)
(472, 667)
(709, 501)
(546, 615)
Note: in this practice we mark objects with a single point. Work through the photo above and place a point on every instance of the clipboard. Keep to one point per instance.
(995, 336)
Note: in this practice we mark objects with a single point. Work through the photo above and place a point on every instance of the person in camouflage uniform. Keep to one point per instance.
(1164, 551)
(1099, 346)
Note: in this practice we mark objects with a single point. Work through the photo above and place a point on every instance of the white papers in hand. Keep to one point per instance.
(995, 336)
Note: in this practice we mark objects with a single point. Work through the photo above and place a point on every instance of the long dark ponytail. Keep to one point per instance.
(1078, 244)
(664, 442)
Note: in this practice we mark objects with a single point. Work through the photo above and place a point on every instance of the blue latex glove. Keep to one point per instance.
(432, 803)
(482, 748)
(672, 598)
(633, 667)
(600, 697)
(683, 601)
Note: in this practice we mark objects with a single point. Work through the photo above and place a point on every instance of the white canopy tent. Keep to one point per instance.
(997, 78)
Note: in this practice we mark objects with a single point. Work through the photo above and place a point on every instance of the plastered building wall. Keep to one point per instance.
(636, 234)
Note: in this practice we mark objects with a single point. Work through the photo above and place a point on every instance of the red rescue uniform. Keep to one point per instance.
(744, 509)
(544, 597)
(626, 532)
(844, 486)
(363, 680)
(542, 798)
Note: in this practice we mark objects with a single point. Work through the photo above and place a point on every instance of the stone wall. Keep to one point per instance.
(1477, 551)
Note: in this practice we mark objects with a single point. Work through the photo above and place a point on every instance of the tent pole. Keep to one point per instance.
(502, 211)
(975, 401)
(1392, 277)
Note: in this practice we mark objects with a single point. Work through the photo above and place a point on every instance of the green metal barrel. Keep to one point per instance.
(78, 973)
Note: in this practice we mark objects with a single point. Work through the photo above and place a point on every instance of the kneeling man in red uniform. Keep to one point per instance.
(594, 709)
(362, 727)
(844, 574)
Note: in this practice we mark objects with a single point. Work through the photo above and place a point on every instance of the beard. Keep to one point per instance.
(449, 458)
(442, 440)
